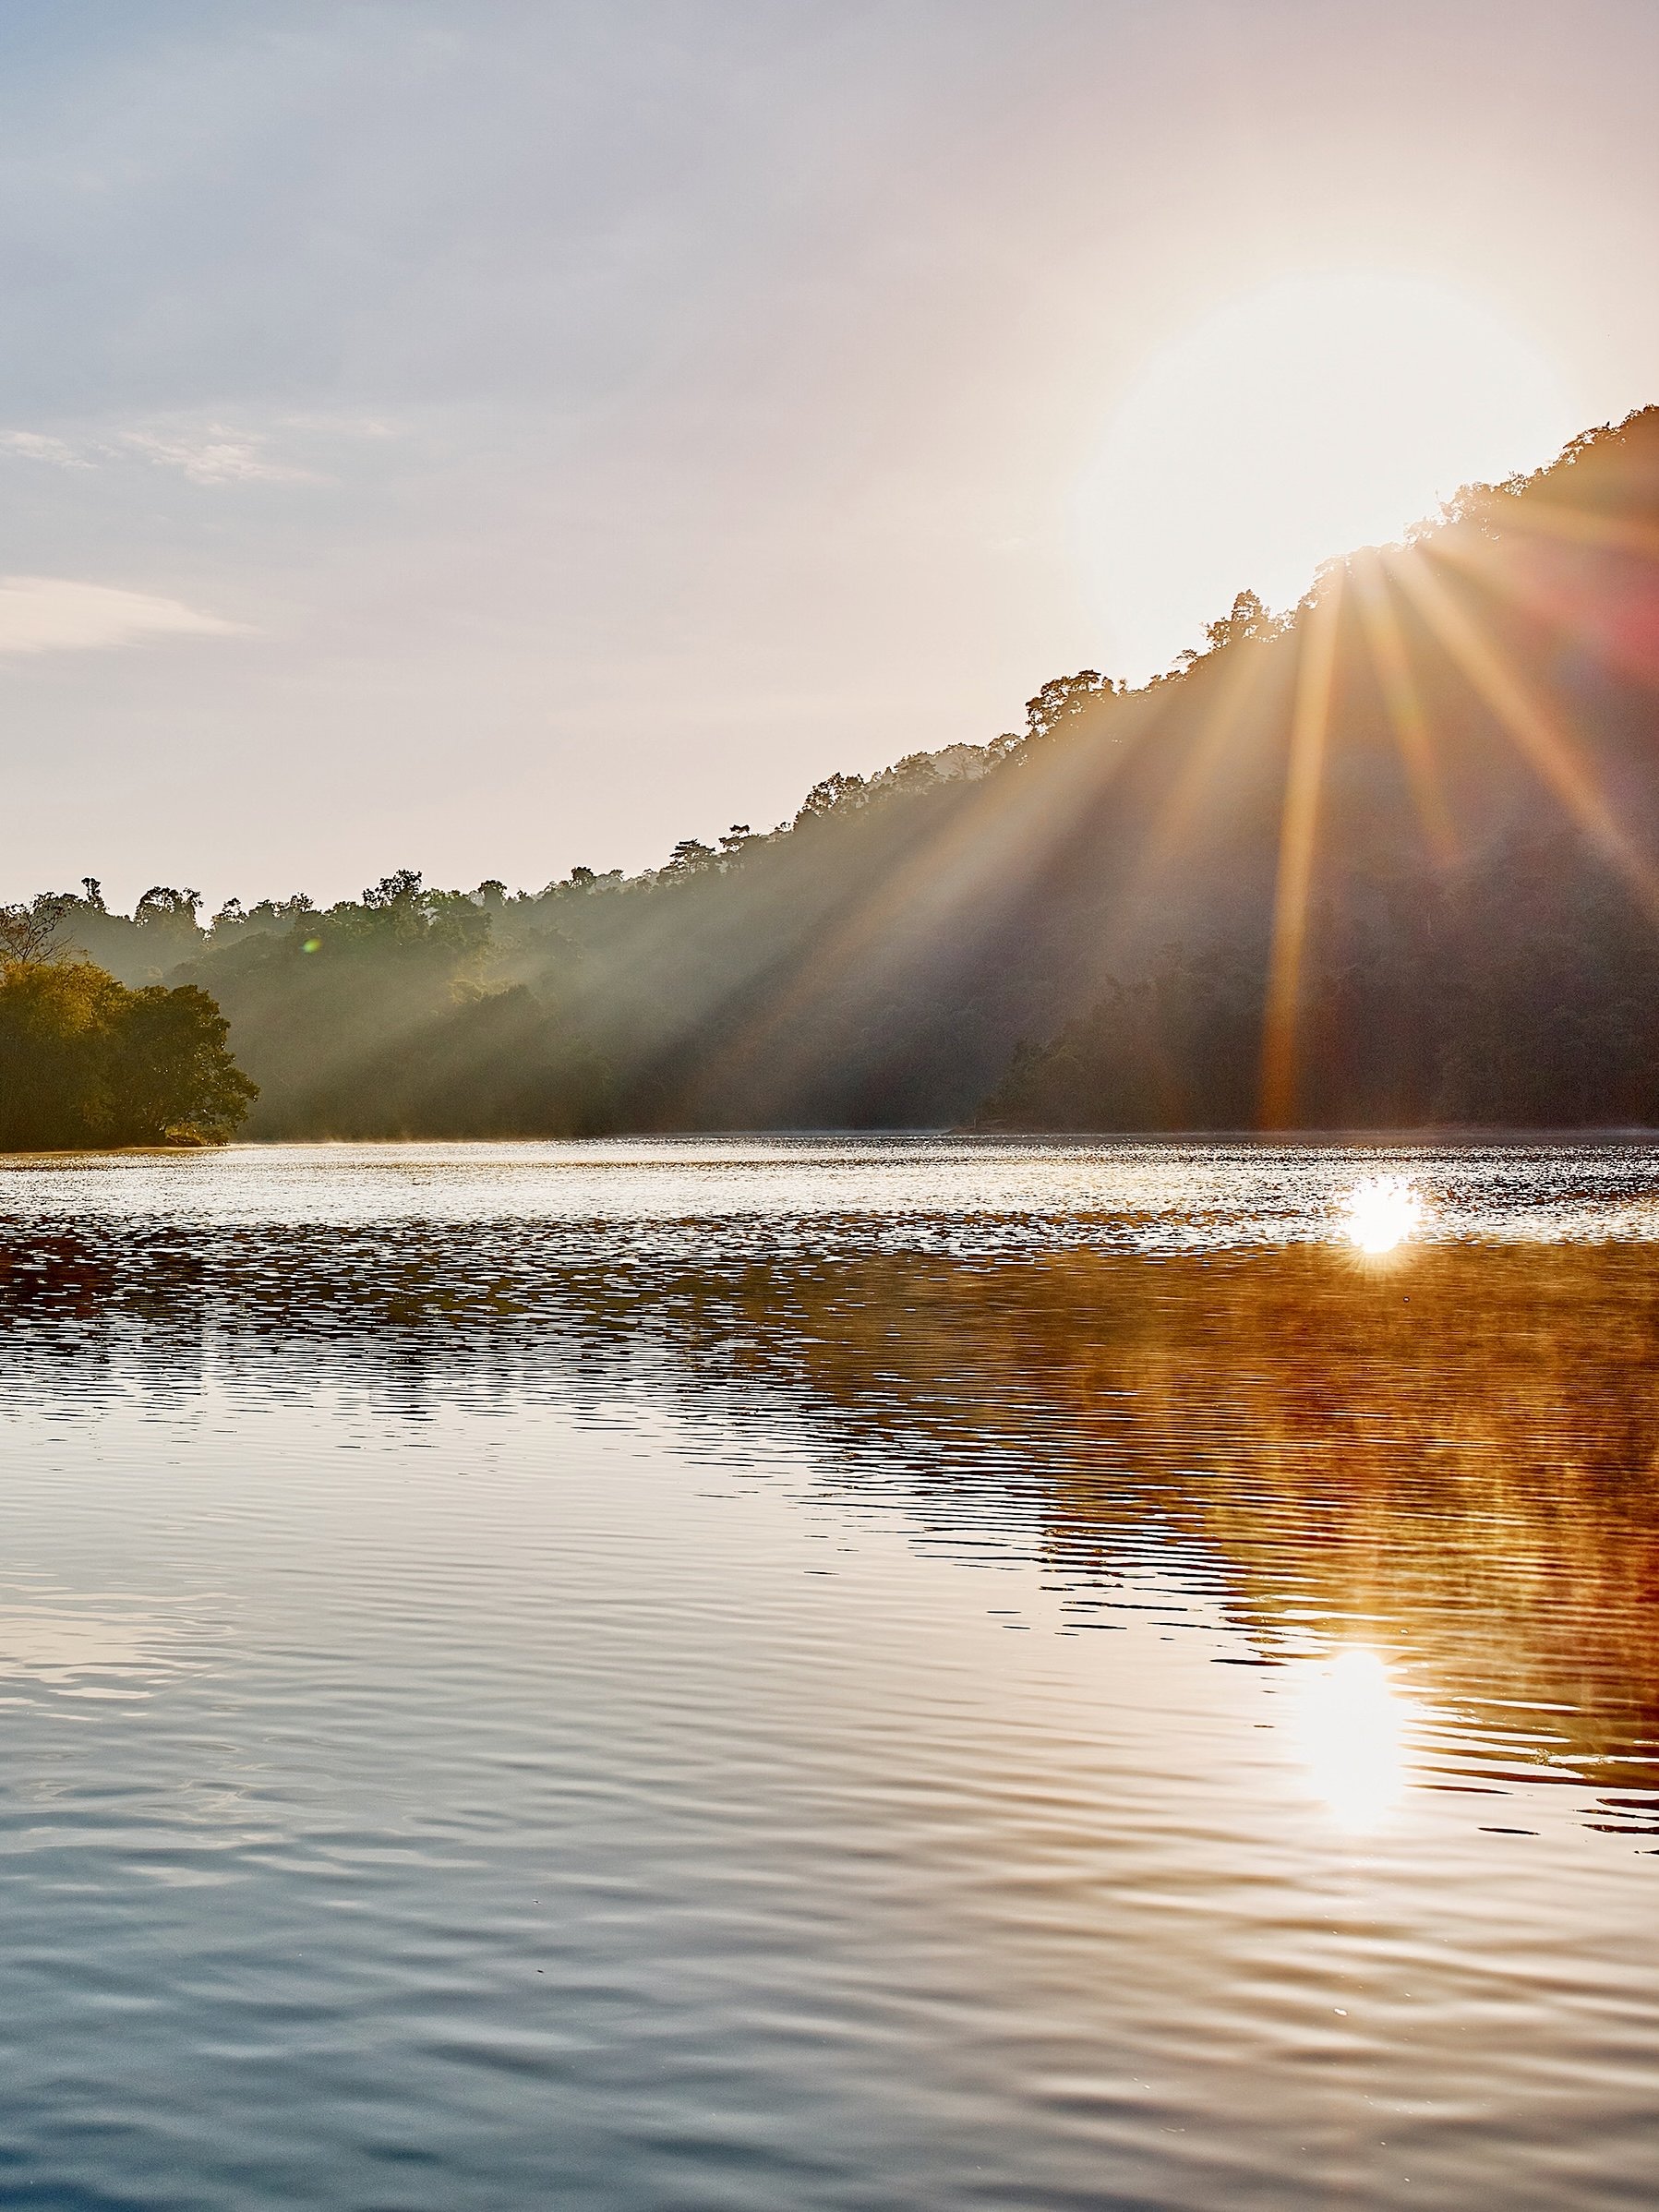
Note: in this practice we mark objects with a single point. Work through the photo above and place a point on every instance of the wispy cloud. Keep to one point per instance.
(215, 455)
(59, 614)
(208, 453)
(34, 445)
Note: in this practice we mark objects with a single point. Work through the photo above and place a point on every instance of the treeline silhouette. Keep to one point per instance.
(1389, 860)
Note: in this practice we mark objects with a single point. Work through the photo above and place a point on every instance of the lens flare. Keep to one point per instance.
(1352, 1727)
(1381, 1212)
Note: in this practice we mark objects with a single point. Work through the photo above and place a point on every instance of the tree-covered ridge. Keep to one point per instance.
(1388, 859)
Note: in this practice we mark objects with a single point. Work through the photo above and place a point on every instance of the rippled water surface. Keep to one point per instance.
(830, 1674)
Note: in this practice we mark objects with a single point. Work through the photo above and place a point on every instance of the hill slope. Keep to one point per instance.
(1389, 860)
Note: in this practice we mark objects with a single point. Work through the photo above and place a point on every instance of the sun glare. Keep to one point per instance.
(1351, 1729)
(1320, 413)
(1381, 1212)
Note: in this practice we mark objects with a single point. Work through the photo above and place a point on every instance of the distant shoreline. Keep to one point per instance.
(1332, 1139)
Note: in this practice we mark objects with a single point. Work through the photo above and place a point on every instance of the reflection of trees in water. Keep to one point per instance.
(1449, 1453)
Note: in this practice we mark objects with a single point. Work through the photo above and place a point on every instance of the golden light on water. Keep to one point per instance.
(1382, 1212)
(1351, 1725)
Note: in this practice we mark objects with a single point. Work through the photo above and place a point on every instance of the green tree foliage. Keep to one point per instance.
(85, 1060)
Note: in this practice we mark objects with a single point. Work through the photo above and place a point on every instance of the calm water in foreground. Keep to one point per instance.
(819, 1674)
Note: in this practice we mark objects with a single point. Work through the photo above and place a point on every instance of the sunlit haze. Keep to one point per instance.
(1319, 413)
(483, 441)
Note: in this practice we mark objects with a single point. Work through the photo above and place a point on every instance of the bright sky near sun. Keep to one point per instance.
(1325, 410)
(484, 439)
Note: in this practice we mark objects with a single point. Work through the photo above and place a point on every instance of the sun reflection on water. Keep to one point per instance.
(1381, 1212)
(1352, 1729)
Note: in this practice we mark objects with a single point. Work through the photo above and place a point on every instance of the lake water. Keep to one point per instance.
(830, 1674)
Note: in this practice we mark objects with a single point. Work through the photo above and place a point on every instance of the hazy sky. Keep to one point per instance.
(483, 438)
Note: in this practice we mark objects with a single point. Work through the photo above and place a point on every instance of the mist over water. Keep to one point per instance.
(830, 1673)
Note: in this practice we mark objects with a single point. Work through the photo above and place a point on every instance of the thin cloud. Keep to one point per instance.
(210, 453)
(215, 456)
(58, 614)
(34, 445)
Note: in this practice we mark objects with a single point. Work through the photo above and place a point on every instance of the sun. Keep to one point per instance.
(1318, 414)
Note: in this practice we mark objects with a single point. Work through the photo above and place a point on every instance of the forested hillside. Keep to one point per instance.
(1391, 859)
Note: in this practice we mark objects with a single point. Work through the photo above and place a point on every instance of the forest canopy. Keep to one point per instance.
(1388, 859)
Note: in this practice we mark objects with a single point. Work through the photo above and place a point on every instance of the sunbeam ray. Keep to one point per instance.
(1298, 835)
(1577, 526)
(1528, 722)
(1386, 643)
(1240, 689)
(1610, 606)
(1001, 835)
